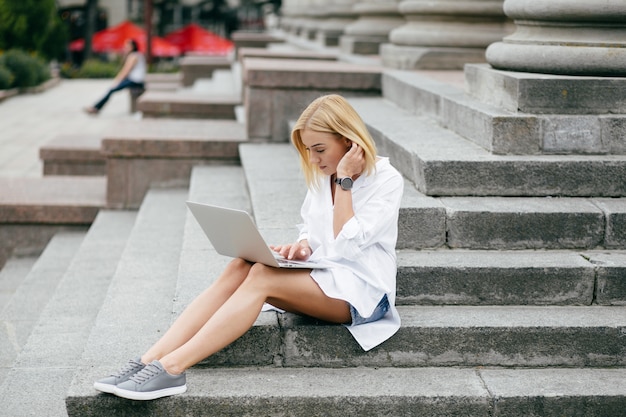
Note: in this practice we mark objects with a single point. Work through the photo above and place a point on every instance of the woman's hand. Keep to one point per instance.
(352, 163)
(300, 251)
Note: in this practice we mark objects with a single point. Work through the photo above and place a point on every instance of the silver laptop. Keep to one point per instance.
(233, 233)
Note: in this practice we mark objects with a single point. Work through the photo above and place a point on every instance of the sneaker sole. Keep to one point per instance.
(108, 388)
(150, 395)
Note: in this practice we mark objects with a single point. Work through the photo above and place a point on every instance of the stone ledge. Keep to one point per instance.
(546, 93)
(277, 90)
(188, 105)
(442, 163)
(51, 200)
(197, 67)
(163, 152)
(309, 74)
(435, 392)
(249, 52)
(74, 154)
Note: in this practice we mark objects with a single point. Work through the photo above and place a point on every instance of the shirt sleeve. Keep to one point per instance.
(374, 222)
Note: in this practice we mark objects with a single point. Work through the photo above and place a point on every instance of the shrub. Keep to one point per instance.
(6, 78)
(28, 71)
(94, 68)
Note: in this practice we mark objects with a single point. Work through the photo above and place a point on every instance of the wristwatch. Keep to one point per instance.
(345, 183)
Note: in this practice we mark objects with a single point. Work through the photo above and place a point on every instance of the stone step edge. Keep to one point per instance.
(442, 163)
(23, 309)
(456, 222)
(56, 343)
(138, 304)
(490, 126)
(52, 199)
(364, 391)
(478, 277)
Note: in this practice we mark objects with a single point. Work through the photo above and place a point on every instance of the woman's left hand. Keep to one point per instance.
(352, 163)
(299, 250)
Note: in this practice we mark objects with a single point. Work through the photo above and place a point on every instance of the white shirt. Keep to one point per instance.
(363, 256)
(138, 73)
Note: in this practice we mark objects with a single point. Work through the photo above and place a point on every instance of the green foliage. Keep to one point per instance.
(6, 78)
(28, 70)
(91, 68)
(32, 25)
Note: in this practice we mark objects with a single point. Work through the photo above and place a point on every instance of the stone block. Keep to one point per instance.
(188, 105)
(611, 277)
(278, 90)
(615, 212)
(473, 277)
(523, 223)
(73, 155)
(439, 58)
(163, 152)
(422, 221)
(197, 67)
(249, 52)
(243, 39)
(541, 93)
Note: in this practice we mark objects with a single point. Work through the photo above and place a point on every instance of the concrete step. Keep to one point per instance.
(359, 391)
(56, 342)
(137, 308)
(442, 163)
(502, 223)
(75, 154)
(15, 270)
(474, 277)
(187, 105)
(22, 310)
(514, 131)
(223, 186)
(198, 67)
(163, 151)
(33, 209)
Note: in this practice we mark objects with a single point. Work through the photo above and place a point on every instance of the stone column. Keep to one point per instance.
(312, 15)
(574, 37)
(290, 13)
(444, 34)
(376, 19)
(335, 15)
(564, 67)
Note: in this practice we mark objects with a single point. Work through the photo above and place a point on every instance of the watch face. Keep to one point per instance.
(346, 183)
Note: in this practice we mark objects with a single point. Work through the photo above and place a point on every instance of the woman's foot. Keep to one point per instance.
(150, 383)
(108, 384)
(91, 110)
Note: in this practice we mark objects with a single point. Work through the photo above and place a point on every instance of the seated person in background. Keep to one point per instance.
(132, 74)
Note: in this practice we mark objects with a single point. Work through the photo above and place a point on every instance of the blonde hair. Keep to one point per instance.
(332, 114)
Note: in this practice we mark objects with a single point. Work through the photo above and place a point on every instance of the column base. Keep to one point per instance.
(442, 58)
(361, 45)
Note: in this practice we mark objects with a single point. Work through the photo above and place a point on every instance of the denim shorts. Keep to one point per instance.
(380, 310)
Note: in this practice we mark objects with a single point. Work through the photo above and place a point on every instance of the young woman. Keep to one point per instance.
(350, 216)
(132, 74)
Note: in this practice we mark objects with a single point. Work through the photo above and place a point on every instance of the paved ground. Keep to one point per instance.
(28, 121)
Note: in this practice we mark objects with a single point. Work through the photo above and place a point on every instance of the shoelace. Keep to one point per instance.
(145, 374)
(129, 367)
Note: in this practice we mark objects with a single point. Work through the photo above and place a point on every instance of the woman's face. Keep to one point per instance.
(325, 149)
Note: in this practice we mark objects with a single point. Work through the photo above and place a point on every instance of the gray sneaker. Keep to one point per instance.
(150, 383)
(108, 384)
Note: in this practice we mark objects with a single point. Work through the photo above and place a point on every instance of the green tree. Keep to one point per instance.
(32, 25)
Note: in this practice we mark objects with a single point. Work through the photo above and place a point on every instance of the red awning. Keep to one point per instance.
(193, 38)
(112, 40)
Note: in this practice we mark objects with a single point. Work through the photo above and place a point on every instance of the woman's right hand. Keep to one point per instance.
(300, 251)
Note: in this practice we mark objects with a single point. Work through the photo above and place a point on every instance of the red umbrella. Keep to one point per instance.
(113, 39)
(193, 38)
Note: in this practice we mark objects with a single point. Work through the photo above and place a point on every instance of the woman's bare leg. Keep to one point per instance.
(293, 290)
(200, 310)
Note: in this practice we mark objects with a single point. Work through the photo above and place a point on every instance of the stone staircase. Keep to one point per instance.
(510, 283)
